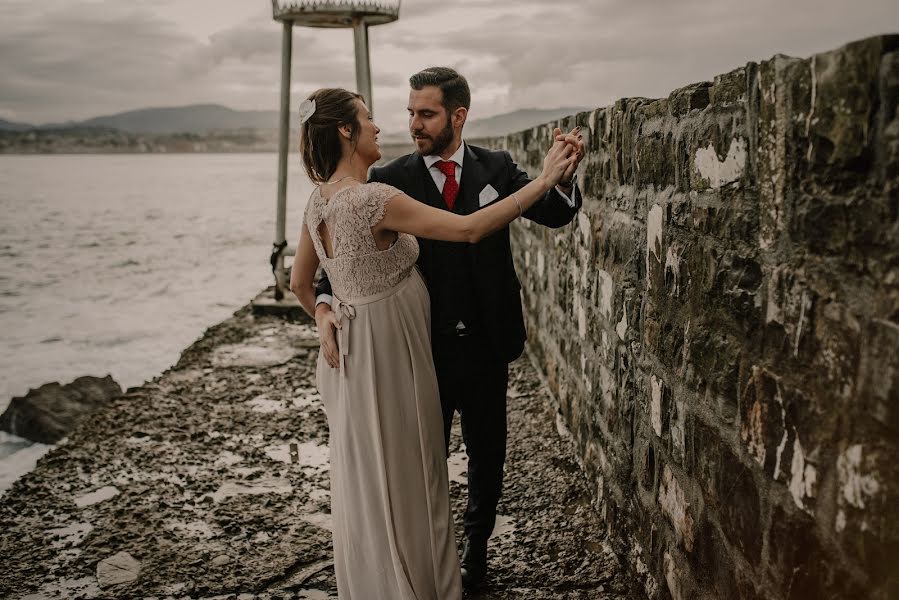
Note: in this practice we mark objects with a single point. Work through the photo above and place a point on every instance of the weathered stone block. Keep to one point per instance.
(740, 506)
(844, 98)
(732, 87)
(723, 318)
(692, 97)
(780, 99)
(878, 380)
(675, 505)
(888, 122)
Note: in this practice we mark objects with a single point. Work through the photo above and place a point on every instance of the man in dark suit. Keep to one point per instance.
(477, 323)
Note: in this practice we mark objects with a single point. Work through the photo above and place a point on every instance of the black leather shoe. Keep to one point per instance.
(474, 563)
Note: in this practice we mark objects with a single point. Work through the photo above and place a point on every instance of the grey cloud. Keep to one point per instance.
(72, 58)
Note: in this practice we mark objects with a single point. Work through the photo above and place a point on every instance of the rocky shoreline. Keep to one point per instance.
(211, 481)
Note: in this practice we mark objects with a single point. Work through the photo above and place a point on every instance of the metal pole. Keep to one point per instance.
(363, 67)
(283, 141)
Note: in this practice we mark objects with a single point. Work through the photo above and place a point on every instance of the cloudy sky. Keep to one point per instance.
(74, 59)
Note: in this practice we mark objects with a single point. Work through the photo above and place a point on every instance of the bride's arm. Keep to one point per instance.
(407, 215)
(302, 272)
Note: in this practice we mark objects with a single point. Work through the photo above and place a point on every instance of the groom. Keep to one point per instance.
(477, 323)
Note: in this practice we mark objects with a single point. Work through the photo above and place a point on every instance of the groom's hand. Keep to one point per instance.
(576, 140)
(327, 323)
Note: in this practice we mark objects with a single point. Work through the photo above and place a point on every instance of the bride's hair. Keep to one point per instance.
(319, 138)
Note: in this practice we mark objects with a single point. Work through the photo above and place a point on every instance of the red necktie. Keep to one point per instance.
(450, 186)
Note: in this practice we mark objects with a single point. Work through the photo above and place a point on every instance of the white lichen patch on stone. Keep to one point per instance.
(654, 221)
(104, 493)
(588, 384)
(584, 227)
(655, 404)
(674, 504)
(581, 317)
(636, 557)
(541, 265)
(672, 265)
(607, 383)
(721, 172)
(621, 327)
(671, 578)
(803, 476)
(855, 485)
(606, 292)
(678, 432)
(840, 522)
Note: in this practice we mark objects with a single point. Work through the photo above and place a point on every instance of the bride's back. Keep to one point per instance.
(350, 255)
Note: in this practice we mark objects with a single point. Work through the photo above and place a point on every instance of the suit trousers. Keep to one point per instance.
(473, 382)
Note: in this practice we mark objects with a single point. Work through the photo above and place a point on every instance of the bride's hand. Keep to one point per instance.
(328, 323)
(558, 161)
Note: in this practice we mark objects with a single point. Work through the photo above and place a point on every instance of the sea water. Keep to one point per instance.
(113, 264)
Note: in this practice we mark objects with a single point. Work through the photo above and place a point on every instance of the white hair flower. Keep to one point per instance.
(307, 109)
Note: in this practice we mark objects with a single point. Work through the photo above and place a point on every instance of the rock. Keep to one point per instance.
(221, 560)
(117, 569)
(48, 413)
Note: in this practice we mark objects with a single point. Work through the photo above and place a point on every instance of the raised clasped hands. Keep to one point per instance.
(574, 142)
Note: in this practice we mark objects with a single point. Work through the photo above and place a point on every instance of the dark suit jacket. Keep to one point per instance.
(497, 289)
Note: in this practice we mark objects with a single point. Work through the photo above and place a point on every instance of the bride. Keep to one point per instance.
(392, 525)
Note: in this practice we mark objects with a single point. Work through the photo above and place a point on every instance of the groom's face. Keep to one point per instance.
(429, 122)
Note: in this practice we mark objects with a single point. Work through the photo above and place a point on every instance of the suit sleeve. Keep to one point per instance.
(551, 210)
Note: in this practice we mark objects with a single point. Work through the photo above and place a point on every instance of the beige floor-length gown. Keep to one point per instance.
(392, 524)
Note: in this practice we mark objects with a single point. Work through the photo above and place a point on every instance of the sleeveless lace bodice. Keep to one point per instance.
(357, 268)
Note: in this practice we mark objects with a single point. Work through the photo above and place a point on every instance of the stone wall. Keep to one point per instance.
(720, 326)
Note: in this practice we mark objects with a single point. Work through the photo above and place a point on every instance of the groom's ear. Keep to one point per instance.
(459, 116)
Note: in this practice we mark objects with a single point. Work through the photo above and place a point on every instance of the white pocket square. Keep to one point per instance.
(487, 195)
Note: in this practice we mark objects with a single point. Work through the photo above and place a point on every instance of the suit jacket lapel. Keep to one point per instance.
(419, 179)
(473, 181)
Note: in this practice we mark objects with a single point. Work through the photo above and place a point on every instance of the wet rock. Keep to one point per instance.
(48, 413)
(117, 569)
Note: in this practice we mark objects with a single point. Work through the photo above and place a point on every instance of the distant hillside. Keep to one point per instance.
(203, 118)
(198, 118)
(516, 121)
(10, 126)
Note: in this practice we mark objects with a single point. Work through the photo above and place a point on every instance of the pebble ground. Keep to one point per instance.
(211, 482)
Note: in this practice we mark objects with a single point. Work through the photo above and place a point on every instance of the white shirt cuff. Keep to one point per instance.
(568, 200)
(326, 298)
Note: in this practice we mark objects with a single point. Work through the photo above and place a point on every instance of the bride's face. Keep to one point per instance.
(367, 144)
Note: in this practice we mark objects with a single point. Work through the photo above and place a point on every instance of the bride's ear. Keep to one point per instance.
(345, 131)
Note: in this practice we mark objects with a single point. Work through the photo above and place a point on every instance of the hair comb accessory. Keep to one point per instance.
(307, 109)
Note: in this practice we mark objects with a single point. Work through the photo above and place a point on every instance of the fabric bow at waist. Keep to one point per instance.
(346, 312)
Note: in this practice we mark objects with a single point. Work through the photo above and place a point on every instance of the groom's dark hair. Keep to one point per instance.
(454, 86)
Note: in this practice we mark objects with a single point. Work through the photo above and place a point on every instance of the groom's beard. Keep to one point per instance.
(428, 145)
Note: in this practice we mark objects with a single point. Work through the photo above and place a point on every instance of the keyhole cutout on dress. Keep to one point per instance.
(325, 236)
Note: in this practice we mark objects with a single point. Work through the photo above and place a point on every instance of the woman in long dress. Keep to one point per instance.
(392, 525)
